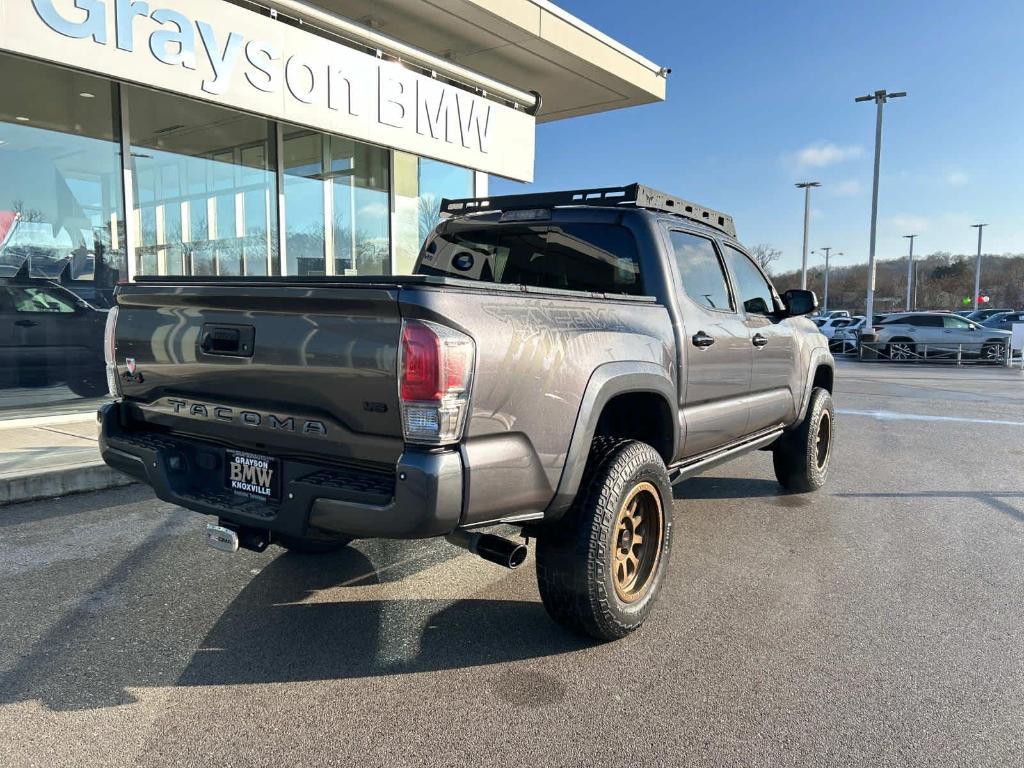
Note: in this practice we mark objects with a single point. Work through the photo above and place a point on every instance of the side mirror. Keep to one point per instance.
(799, 302)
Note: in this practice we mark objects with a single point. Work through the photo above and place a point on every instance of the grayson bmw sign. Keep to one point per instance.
(223, 53)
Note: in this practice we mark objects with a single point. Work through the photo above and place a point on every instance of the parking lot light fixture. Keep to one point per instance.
(879, 97)
(910, 267)
(806, 187)
(977, 266)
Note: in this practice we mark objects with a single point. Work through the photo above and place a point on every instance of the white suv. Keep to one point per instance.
(918, 335)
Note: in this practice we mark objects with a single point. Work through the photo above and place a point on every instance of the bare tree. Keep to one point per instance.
(27, 215)
(428, 214)
(765, 256)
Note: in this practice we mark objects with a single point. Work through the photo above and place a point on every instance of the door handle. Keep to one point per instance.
(758, 340)
(702, 340)
(26, 323)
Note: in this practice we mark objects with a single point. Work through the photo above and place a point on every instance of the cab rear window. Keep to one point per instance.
(601, 258)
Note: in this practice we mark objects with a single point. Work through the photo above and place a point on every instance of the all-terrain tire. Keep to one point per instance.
(308, 546)
(583, 569)
(801, 457)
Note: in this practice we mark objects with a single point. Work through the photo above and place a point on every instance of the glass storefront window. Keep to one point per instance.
(61, 230)
(60, 178)
(343, 183)
(359, 178)
(420, 185)
(304, 203)
(204, 201)
(205, 188)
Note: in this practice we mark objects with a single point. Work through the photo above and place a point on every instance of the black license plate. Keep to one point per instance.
(252, 475)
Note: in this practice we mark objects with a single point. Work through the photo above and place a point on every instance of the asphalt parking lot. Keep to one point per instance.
(879, 622)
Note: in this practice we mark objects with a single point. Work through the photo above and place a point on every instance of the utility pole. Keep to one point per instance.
(806, 187)
(826, 250)
(839, 253)
(910, 267)
(879, 97)
(977, 266)
(917, 281)
(825, 301)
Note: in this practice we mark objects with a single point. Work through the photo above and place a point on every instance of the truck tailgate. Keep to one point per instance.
(290, 369)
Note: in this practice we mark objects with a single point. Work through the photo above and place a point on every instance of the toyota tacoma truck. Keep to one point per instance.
(556, 363)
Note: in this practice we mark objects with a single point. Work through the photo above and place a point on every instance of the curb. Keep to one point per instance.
(49, 483)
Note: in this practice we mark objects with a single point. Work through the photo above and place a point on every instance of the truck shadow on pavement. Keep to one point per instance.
(267, 636)
(709, 487)
(153, 621)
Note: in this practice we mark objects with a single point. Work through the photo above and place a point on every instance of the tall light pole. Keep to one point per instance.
(825, 301)
(879, 97)
(806, 187)
(910, 267)
(977, 266)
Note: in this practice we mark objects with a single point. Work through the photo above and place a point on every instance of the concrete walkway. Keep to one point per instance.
(47, 456)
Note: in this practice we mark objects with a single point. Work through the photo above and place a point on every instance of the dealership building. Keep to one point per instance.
(239, 139)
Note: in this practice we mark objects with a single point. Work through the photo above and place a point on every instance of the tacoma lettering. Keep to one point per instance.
(248, 418)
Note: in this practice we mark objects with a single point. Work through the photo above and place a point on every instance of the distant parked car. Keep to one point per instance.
(1005, 320)
(833, 324)
(936, 334)
(981, 315)
(847, 338)
(48, 335)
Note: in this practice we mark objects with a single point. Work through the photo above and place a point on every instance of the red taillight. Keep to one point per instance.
(436, 368)
(436, 361)
(421, 363)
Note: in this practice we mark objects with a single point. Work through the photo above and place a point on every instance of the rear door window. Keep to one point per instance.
(601, 258)
(924, 321)
(701, 270)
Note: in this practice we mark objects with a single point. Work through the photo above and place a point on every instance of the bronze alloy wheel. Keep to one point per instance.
(824, 442)
(637, 537)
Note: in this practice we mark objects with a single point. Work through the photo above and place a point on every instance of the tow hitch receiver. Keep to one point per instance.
(219, 537)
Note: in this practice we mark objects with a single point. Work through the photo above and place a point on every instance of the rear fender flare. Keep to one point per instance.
(606, 382)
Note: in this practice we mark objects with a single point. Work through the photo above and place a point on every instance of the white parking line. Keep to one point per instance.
(42, 421)
(893, 416)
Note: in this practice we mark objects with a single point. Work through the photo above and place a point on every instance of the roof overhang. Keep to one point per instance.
(532, 45)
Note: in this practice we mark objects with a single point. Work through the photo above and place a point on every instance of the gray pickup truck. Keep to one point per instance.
(556, 363)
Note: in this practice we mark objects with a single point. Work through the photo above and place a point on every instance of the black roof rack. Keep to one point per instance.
(630, 196)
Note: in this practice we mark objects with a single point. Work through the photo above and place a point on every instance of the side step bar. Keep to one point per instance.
(679, 472)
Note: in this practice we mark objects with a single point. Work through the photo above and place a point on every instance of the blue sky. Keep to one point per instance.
(762, 95)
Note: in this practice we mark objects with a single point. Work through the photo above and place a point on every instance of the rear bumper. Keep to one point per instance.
(420, 498)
